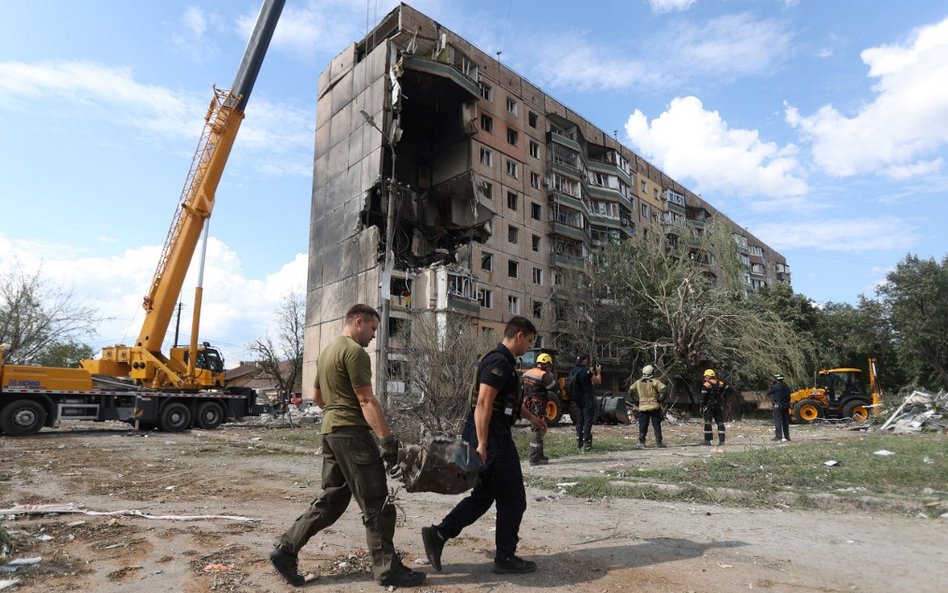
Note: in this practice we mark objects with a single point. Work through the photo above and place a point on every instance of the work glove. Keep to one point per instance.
(389, 450)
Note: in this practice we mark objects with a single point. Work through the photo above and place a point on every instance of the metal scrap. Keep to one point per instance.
(439, 464)
(920, 412)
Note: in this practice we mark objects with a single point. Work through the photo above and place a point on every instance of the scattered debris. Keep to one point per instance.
(217, 568)
(439, 464)
(831, 463)
(8, 583)
(920, 412)
(883, 453)
(71, 507)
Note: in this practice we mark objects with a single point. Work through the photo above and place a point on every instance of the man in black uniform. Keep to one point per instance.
(712, 404)
(583, 399)
(780, 394)
(499, 403)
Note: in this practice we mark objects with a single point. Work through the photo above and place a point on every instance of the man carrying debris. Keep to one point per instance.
(539, 384)
(499, 403)
(712, 405)
(648, 394)
(780, 394)
(352, 462)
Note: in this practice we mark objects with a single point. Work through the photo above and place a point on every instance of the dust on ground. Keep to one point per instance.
(581, 546)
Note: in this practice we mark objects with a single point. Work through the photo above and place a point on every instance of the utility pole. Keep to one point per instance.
(385, 284)
(177, 325)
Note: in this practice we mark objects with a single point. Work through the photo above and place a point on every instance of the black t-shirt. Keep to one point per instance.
(583, 384)
(498, 369)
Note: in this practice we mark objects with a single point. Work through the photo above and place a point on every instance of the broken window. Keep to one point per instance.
(538, 309)
(536, 242)
(534, 180)
(487, 262)
(513, 304)
(487, 123)
(486, 91)
(538, 276)
(513, 268)
(512, 136)
(536, 211)
(488, 189)
(486, 157)
(511, 106)
(513, 234)
(532, 119)
(512, 200)
(513, 170)
(534, 149)
(486, 298)
(461, 286)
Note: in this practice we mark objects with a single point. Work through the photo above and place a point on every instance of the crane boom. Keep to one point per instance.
(144, 362)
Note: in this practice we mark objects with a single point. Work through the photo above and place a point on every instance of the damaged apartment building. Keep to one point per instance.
(483, 188)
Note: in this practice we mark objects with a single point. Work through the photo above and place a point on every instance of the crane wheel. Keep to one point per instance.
(209, 415)
(22, 417)
(807, 410)
(856, 410)
(175, 417)
(554, 411)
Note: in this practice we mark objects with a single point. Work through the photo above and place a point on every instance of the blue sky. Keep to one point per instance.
(820, 126)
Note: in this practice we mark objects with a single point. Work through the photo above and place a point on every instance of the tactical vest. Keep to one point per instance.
(507, 404)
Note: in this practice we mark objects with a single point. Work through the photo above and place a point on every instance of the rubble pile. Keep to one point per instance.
(920, 412)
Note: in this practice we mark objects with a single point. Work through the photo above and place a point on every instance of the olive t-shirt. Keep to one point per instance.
(342, 366)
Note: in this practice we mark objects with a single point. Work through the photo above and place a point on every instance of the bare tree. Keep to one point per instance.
(282, 359)
(37, 317)
(441, 360)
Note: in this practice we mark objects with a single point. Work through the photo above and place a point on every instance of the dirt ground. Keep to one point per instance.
(581, 546)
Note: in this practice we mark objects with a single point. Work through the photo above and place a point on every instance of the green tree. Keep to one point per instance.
(40, 320)
(916, 296)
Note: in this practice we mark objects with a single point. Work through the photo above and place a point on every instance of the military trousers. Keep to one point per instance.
(352, 468)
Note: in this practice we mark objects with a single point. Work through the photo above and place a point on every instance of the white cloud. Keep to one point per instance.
(688, 141)
(716, 51)
(897, 133)
(660, 6)
(847, 235)
(192, 34)
(236, 309)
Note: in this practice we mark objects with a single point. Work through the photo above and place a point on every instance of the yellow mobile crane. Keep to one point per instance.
(172, 390)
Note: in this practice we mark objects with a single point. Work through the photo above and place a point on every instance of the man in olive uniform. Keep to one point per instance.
(712, 405)
(499, 403)
(352, 463)
(648, 394)
(538, 385)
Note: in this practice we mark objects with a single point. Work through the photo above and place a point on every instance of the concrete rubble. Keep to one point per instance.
(920, 412)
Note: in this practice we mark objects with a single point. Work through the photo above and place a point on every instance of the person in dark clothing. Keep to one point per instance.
(712, 405)
(780, 394)
(648, 394)
(539, 385)
(353, 465)
(498, 405)
(583, 399)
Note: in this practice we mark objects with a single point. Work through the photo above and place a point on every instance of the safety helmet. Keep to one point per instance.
(647, 371)
(778, 376)
(544, 358)
(709, 373)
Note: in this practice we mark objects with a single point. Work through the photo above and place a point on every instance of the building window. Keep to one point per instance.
(486, 157)
(534, 149)
(512, 200)
(488, 189)
(486, 298)
(513, 268)
(534, 180)
(487, 262)
(536, 211)
(486, 91)
(511, 106)
(645, 211)
(538, 276)
(513, 304)
(487, 123)
(513, 170)
(644, 188)
(513, 234)
(532, 119)
(538, 309)
(512, 136)
(536, 242)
